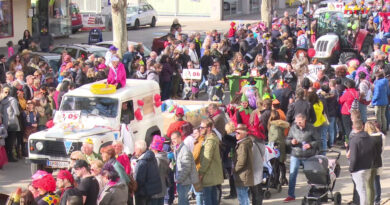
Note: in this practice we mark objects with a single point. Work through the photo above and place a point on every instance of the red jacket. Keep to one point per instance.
(124, 160)
(256, 128)
(346, 100)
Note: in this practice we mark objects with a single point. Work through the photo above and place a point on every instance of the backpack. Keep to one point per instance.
(355, 103)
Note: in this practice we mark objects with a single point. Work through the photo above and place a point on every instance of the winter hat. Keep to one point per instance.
(157, 143)
(232, 24)
(179, 111)
(244, 98)
(65, 174)
(47, 183)
(39, 175)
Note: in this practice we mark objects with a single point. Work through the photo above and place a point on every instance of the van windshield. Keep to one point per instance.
(100, 106)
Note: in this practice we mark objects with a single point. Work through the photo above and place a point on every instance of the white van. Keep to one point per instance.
(83, 114)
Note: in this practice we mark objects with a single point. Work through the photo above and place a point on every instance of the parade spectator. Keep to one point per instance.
(346, 101)
(218, 118)
(46, 185)
(11, 119)
(380, 99)
(304, 142)
(300, 106)
(96, 169)
(163, 167)
(88, 186)
(243, 164)
(65, 183)
(3, 152)
(115, 191)
(108, 156)
(148, 179)
(45, 40)
(88, 152)
(122, 157)
(3, 68)
(320, 124)
(180, 125)
(361, 159)
(185, 170)
(210, 171)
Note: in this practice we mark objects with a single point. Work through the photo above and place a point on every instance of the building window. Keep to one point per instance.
(6, 19)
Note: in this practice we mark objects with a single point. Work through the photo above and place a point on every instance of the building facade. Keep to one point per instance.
(13, 20)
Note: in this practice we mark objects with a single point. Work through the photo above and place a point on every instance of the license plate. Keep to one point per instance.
(57, 164)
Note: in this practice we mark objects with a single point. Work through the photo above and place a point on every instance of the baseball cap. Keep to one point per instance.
(81, 164)
(179, 111)
(113, 48)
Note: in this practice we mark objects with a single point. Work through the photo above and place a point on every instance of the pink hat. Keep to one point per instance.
(47, 183)
(39, 175)
(157, 143)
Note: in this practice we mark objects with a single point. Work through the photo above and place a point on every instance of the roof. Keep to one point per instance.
(132, 88)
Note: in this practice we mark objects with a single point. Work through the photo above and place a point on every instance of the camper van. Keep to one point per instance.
(84, 114)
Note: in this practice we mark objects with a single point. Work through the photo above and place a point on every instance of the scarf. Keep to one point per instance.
(140, 75)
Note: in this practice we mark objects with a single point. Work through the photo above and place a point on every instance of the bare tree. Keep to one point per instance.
(266, 12)
(119, 28)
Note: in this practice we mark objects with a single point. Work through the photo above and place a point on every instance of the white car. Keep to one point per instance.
(140, 15)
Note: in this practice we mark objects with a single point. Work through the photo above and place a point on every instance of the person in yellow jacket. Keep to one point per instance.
(321, 121)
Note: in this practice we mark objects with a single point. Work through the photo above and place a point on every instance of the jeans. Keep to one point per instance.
(294, 166)
(257, 194)
(347, 124)
(203, 83)
(242, 195)
(380, 114)
(331, 130)
(361, 180)
(210, 195)
(377, 187)
(182, 192)
(199, 197)
(363, 112)
(322, 130)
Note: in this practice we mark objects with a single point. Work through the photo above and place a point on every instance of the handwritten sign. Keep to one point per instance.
(192, 74)
(69, 116)
(313, 70)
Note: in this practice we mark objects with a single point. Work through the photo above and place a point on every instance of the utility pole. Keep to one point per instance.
(266, 12)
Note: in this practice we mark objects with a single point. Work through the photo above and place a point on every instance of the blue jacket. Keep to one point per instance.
(381, 92)
(147, 175)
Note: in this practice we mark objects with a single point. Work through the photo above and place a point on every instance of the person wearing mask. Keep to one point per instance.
(88, 186)
(361, 158)
(45, 40)
(163, 167)
(115, 191)
(148, 179)
(87, 150)
(210, 171)
(65, 183)
(380, 99)
(304, 142)
(185, 170)
(243, 164)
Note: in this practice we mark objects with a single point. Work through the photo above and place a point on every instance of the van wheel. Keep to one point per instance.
(153, 24)
(136, 24)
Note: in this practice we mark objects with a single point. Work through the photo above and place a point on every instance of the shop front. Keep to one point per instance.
(13, 20)
(239, 7)
(52, 14)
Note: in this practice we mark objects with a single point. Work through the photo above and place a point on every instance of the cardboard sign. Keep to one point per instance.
(313, 70)
(70, 116)
(192, 74)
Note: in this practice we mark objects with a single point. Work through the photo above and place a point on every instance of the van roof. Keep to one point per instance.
(132, 88)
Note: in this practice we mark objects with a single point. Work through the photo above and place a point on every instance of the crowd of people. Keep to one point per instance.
(296, 115)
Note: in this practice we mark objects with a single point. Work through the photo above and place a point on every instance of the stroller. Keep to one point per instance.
(321, 173)
(271, 166)
(191, 90)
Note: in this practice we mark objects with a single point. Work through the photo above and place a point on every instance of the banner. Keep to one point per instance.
(192, 74)
(91, 21)
(237, 82)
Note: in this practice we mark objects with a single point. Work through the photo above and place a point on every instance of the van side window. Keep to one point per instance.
(127, 112)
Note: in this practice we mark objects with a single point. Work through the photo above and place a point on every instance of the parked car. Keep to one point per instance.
(50, 58)
(80, 50)
(107, 44)
(77, 22)
(140, 15)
